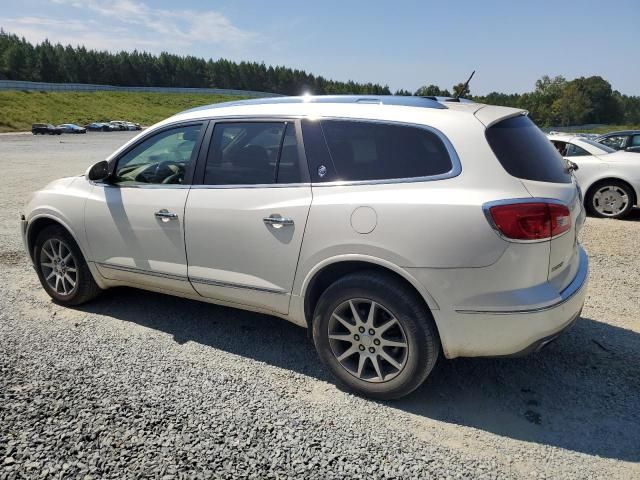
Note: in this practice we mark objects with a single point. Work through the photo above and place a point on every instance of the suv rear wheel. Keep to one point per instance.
(375, 335)
(62, 269)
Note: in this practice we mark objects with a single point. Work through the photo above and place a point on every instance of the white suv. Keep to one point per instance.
(394, 228)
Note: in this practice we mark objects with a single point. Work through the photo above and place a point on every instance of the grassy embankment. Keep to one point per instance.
(18, 110)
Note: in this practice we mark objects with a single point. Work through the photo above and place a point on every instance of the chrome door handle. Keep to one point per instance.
(165, 215)
(277, 221)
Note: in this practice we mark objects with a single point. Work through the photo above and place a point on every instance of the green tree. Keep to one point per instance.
(459, 90)
(431, 91)
(573, 107)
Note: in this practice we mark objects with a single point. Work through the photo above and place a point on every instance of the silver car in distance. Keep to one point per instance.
(396, 229)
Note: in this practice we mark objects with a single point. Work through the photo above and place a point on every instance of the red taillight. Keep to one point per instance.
(531, 220)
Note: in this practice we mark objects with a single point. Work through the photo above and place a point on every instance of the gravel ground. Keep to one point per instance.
(137, 384)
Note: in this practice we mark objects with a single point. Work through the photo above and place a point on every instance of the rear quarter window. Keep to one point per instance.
(363, 150)
(525, 152)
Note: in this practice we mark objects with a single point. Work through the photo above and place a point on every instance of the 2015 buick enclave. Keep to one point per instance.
(395, 228)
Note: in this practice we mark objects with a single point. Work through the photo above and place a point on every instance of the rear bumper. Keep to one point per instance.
(503, 332)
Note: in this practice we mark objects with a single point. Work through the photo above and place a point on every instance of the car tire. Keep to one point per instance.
(610, 199)
(401, 336)
(62, 269)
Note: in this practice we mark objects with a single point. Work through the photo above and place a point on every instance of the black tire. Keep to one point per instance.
(85, 288)
(617, 186)
(419, 330)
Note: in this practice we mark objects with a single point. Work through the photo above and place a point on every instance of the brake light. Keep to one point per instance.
(531, 220)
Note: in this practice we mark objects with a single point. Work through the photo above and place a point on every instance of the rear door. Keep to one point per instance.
(526, 153)
(246, 218)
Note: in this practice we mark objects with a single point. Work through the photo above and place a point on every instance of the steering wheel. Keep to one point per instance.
(167, 171)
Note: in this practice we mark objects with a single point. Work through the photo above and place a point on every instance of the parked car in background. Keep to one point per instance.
(396, 229)
(628, 140)
(101, 127)
(72, 128)
(610, 179)
(45, 129)
(123, 125)
(116, 125)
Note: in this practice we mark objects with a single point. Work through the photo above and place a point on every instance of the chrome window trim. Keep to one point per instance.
(250, 185)
(487, 206)
(143, 185)
(578, 282)
(456, 166)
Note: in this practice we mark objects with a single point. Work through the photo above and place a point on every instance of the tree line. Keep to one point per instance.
(46, 62)
(554, 101)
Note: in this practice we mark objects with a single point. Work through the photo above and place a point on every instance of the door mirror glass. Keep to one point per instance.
(571, 166)
(98, 171)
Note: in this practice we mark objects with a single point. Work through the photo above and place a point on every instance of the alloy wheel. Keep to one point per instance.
(59, 267)
(368, 340)
(610, 200)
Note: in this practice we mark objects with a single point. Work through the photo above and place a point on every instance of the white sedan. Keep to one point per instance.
(609, 179)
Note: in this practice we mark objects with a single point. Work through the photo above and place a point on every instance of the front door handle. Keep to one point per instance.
(277, 221)
(165, 215)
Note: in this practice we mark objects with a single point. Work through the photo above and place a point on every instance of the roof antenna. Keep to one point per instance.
(464, 87)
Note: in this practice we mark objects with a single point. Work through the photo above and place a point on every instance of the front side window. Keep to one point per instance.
(253, 153)
(616, 142)
(160, 159)
(381, 151)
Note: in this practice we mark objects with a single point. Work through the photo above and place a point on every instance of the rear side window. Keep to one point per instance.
(616, 142)
(575, 151)
(253, 153)
(525, 152)
(380, 151)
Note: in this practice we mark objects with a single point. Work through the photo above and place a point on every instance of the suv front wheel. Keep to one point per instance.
(376, 336)
(62, 270)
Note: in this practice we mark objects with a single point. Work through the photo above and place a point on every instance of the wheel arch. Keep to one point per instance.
(39, 223)
(327, 272)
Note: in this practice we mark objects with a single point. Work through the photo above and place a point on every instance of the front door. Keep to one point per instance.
(245, 223)
(135, 220)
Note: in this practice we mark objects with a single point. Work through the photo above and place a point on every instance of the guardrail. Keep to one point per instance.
(87, 87)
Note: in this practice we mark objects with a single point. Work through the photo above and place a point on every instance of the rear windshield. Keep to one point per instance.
(525, 152)
(600, 146)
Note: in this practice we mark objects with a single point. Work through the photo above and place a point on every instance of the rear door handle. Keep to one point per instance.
(277, 221)
(165, 215)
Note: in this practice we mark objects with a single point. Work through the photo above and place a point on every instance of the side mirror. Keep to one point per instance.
(571, 166)
(633, 149)
(98, 171)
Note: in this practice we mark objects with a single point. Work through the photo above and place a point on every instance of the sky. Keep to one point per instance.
(403, 44)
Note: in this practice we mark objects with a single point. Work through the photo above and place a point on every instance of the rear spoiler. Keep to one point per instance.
(491, 114)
